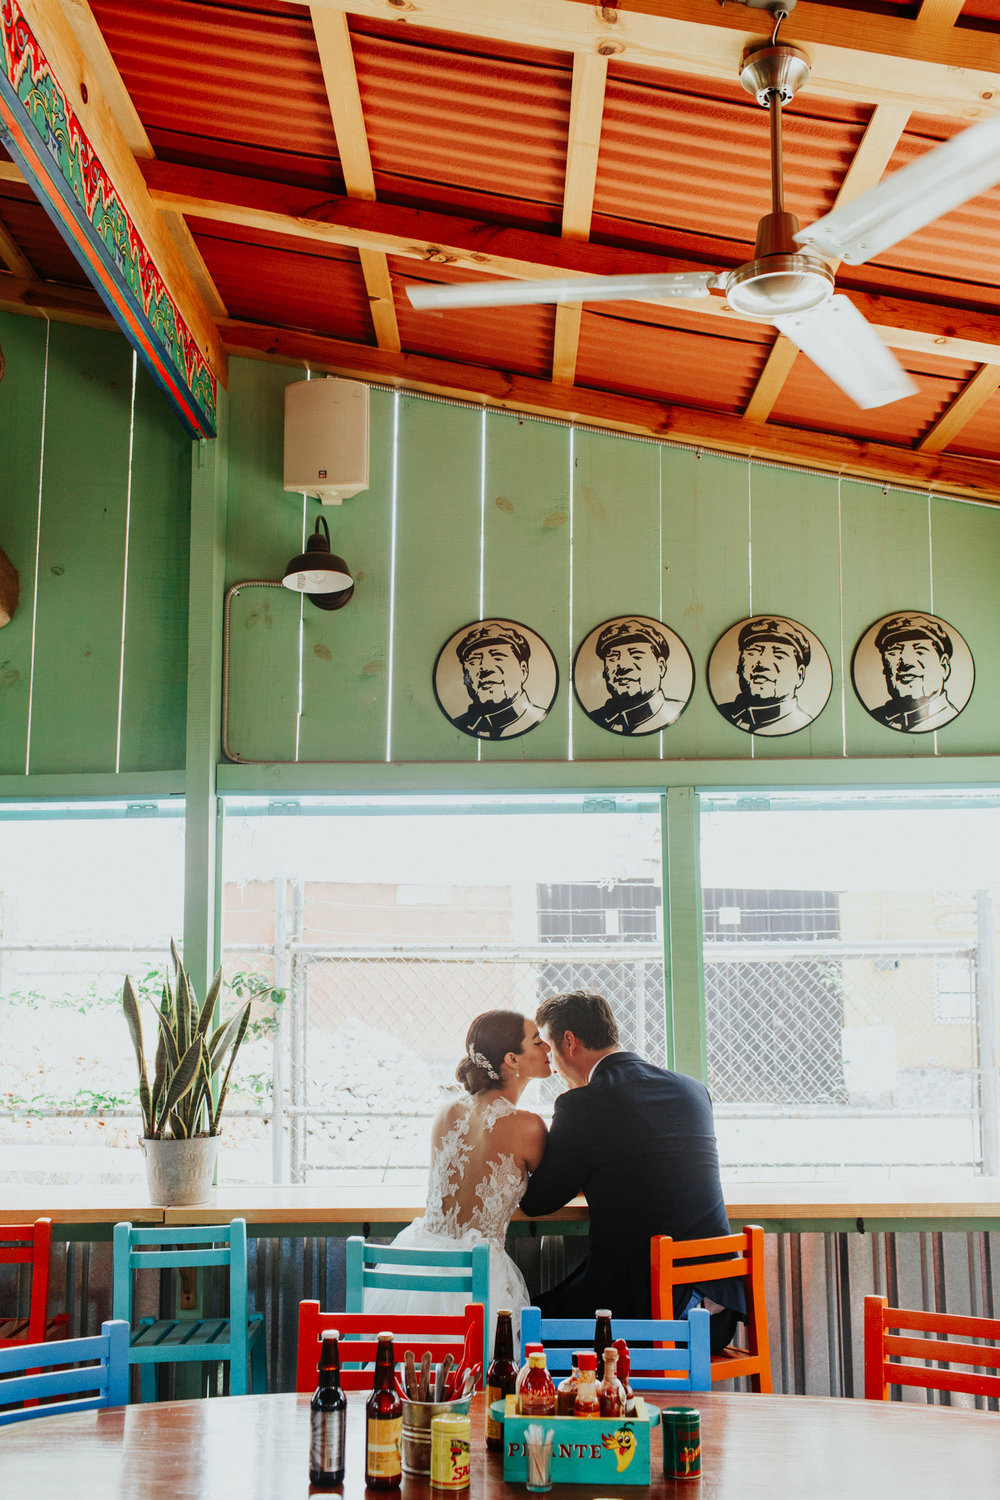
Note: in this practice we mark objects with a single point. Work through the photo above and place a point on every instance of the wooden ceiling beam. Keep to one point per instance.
(340, 76)
(940, 14)
(47, 299)
(970, 478)
(11, 257)
(95, 49)
(432, 238)
(953, 73)
(586, 113)
(970, 399)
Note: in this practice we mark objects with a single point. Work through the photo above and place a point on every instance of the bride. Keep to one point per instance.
(482, 1149)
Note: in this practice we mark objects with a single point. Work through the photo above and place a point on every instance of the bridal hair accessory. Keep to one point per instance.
(484, 1063)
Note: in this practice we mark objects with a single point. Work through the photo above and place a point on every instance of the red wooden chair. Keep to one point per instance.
(31, 1244)
(885, 1352)
(687, 1262)
(359, 1339)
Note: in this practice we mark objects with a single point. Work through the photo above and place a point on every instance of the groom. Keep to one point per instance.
(639, 1143)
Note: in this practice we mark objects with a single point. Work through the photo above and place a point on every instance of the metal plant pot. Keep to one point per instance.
(180, 1173)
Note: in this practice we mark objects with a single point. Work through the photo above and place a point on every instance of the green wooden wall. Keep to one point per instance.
(94, 504)
(496, 515)
(467, 513)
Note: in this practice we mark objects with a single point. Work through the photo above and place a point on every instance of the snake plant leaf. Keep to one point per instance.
(184, 1076)
(130, 1005)
(208, 1009)
(244, 1023)
(221, 1038)
(196, 1106)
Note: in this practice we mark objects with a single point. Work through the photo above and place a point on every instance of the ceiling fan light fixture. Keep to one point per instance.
(779, 285)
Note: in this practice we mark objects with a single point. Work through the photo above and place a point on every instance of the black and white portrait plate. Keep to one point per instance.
(769, 675)
(912, 671)
(633, 675)
(495, 679)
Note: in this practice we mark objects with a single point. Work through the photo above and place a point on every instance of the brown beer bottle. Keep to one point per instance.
(501, 1377)
(327, 1419)
(384, 1423)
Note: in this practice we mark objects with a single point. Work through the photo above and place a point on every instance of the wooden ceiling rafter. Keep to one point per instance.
(968, 478)
(586, 113)
(336, 55)
(973, 395)
(11, 257)
(95, 49)
(953, 72)
(434, 238)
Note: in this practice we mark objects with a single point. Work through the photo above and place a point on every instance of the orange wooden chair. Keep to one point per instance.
(31, 1244)
(452, 1334)
(687, 1262)
(884, 1351)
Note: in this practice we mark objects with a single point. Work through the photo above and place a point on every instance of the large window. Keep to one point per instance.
(88, 893)
(849, 982)
(388, 927)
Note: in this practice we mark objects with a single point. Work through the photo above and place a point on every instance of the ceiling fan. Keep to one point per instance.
(788, 283)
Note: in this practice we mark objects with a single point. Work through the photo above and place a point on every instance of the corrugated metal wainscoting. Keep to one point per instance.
(816, 1284)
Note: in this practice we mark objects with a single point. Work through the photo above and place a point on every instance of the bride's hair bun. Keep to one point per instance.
(488, 1040)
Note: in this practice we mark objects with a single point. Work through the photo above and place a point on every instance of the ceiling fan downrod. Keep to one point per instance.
(781, 278)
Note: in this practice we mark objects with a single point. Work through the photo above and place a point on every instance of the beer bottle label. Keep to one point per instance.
(326, 1450)
(494, 1429)
(385, 1448)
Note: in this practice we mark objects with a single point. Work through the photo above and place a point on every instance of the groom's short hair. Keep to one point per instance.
(589, 1017)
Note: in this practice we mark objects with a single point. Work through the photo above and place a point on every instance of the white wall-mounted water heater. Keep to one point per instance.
(326, 438)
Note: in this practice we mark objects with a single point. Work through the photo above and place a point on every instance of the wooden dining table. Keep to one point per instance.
(257, 1448)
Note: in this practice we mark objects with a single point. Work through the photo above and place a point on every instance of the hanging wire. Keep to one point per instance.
(779, 16)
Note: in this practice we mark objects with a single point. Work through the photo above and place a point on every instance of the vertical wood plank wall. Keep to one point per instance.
(94, 503)
(560, 531)
(465, 512)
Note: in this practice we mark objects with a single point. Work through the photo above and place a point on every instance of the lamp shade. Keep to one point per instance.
(317, 570)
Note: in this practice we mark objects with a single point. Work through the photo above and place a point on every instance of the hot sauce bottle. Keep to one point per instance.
(528, 1350)
(587, 1404)
(623, 1371)
(384, 1423)
(610, 1392)
(566, 1390)
(538, 1394)
(501, 1377)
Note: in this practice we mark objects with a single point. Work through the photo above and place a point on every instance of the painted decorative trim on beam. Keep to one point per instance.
(42, 132)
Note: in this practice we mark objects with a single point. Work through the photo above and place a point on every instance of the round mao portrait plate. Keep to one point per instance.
(769, 675)
(912, 671)
(633, 675)
(495, 679)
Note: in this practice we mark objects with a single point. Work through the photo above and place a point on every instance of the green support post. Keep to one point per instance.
(684, 961)
(209, 476)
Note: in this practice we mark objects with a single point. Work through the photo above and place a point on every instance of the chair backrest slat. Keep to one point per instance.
(886, 1352)
(465, 1273)
(55, 1372)
(436, 1333)
(684, 1367)
(691, 1262)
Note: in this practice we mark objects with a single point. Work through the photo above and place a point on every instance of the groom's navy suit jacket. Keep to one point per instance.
(639, 1143)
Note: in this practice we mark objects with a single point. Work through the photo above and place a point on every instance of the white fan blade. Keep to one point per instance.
(932, 185)
(653, 286)
(846, 347)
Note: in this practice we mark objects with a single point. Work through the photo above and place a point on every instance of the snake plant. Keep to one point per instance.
(190, 1053)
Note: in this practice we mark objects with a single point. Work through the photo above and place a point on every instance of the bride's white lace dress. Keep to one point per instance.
(462, 1212)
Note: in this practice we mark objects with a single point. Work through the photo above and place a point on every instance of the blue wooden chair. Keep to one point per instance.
(238, 1339)
(96, 1365)
(386, 1267)
(686, 1366)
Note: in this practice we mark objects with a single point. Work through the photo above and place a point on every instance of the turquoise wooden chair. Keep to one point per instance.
(98, 1366)
(237, 1339)
(686, 1366)
(386, 1267)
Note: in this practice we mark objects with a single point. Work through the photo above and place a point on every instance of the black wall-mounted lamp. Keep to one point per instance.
(320, 574)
